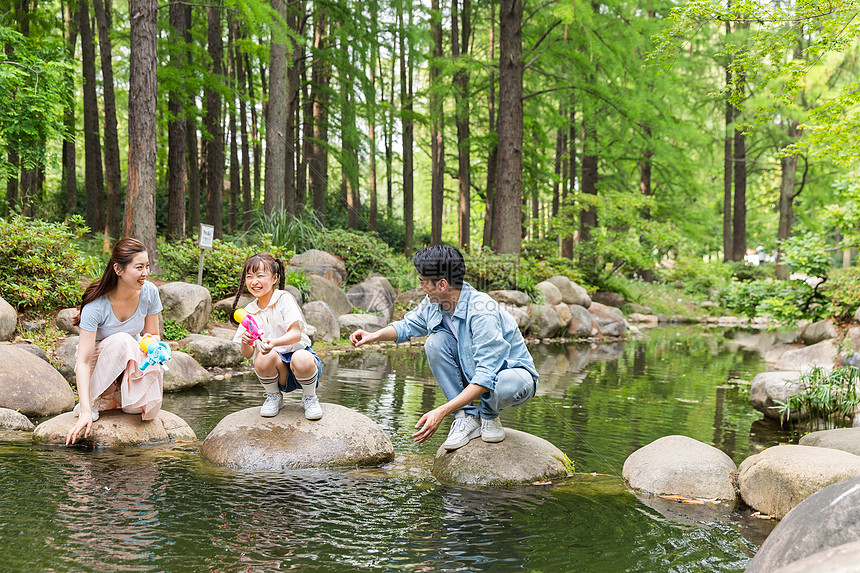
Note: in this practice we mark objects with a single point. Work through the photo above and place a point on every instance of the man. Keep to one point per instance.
(474, 348)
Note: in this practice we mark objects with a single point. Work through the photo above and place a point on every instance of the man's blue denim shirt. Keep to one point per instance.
(488, 338)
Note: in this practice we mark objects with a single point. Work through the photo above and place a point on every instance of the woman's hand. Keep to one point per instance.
(85, 420)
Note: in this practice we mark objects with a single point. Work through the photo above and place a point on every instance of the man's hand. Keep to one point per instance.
(360, 337)
(430, 422)
(85, 420)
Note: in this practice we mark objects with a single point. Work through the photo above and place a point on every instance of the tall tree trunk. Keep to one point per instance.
(570, 163)
(787, 194)
(727, 169)
(588, 217)
(246, 145)
(645, 188)
(460, 48)
(140, 198)
(113, 183)
(507, 211)
(320, 76)
(290, 99)
(349, 145)
(93, 175)
(70, 177)
(192, 149)
(739, 213)
(256, 146)
(307, 111)
(235, 167)
(176, 138)
(371, 115)
(389, 143)
(215, 142)
(437, 126)
(492, 158)
(13, 159)
(406, 115)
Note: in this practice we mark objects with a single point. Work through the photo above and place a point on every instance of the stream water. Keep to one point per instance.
(165, 508)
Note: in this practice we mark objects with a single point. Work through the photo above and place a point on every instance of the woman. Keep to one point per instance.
(116, 312)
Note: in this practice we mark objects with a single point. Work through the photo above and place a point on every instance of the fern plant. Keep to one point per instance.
(829, 399)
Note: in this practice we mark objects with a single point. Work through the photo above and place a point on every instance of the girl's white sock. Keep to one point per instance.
(270, 384)
(309, 385)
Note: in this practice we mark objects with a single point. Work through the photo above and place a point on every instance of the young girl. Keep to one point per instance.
(115, 310)
(284, 360)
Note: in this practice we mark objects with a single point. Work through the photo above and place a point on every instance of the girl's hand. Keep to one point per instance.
(85, 420)
(246, 339)
(265, 346)
(155, 337)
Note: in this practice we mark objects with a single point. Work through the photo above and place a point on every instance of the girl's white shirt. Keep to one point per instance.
(275, 320)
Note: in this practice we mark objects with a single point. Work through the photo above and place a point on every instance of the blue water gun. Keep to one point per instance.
(157, 352)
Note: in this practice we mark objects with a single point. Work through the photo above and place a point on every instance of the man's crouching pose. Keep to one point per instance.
(474, 348)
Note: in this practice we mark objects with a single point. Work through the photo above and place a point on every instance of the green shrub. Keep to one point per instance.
(843, 291)
(488, 271)
(221, 267)
(786, 302)
(698, 276)
(289, 231)
(41, 264)
(828, 397)
(173, 330)
(362, 253)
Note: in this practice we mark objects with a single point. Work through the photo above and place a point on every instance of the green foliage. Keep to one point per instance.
(174, 330)
(362, 253)
(221, 267)
(41, 265)
(287, 230)
(807, 254)
(699, 277)
(843, 292)
(488, 271)
(828, 398)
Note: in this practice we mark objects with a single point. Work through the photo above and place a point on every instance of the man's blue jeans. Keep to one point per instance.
(514, 386)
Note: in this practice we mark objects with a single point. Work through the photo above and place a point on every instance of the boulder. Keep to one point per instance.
(842, 559)
(551, 294)
(410, 298)
(297, 294)
(520, 458)
(35, 350)
(853, 335)
(372, 299)
(65, 319)
(321, 263)
(186, 303)
(8, 320)
(349, 323)
(776, 480)
(608, 298)
(327, 291)
(12, 420)
(222, 333)
(678, 465)
(825, 520)
(33, 387)
(377, 279)
(343, 437)
(320, 315)
(510, 297)
(818, 331)
(520, 315)
(580, 322)
(600, 308)
(571, 293)
(209, 351)
(183, 372)
(644, 319)
(226, 304)
(639, 308)
(543, 321)
(769, 387)
(845, 439)
(823, 354)
(564, 316)
(115, 428)
(609, 320)
(65, 354)
(312, 332)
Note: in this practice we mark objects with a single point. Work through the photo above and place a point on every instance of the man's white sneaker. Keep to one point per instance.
(492, 430)
(272, 405)
(311, 404)
(462, 430)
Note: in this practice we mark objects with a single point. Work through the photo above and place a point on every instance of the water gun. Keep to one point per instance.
(246, 319)
(156, 352)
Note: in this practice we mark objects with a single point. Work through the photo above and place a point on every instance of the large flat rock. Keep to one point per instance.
(845, 439)
(842, 559)
(30, 385)
(768, 388)
(520, 458)
(825, 520)
(343, 437)
(115, 428)
(12, 420)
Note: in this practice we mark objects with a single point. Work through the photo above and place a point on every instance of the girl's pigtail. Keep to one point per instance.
(282, 272)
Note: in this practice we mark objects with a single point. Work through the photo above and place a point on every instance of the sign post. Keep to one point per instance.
(207, 234)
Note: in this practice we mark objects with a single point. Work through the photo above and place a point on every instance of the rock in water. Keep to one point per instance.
(520, 458)
(343, 437)
(12, 420)
(827, 519)
(30, 385)
(115, 428)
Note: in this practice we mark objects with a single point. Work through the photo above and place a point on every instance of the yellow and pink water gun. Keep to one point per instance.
(246, 319)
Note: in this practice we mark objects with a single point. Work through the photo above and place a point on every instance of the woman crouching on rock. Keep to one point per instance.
(115, 310)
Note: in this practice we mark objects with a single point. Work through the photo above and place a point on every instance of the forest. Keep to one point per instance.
(624, 137)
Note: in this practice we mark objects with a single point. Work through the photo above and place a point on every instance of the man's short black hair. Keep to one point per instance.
(441, 262)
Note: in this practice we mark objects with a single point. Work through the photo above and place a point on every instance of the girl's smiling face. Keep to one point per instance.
(260, 281)
(134, 274)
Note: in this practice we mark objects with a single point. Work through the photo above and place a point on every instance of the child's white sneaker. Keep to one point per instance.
(311, 404)
(272, 405)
